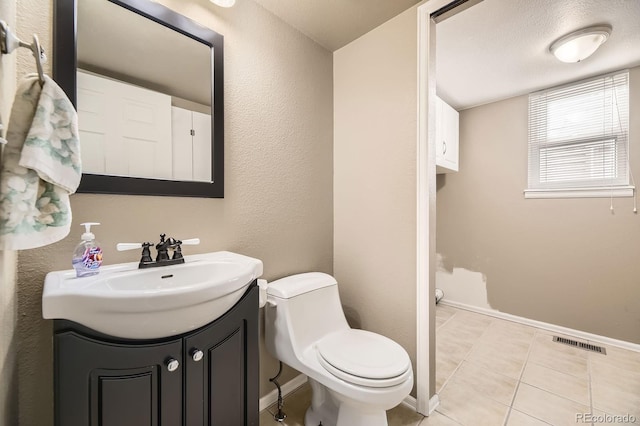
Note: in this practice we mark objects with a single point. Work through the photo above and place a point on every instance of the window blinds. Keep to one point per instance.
(578, 134)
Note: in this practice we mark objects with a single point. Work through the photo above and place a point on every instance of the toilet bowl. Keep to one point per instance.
(355, 375)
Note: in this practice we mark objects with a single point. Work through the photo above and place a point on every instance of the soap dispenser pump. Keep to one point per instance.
(87, 256)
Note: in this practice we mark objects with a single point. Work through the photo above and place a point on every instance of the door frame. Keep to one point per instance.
(426, 397)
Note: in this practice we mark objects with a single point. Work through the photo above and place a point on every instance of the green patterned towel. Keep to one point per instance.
(40, 166)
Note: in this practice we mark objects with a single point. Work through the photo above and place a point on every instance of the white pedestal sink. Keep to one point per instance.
(127, 302)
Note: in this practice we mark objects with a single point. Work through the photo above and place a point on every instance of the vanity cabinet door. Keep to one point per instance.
(222, 368)
(108, 384)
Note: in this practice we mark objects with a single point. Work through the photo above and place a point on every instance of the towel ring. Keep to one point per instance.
(9, 42)
(38, 53)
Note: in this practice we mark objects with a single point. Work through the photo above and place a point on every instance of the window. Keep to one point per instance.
(579, 139)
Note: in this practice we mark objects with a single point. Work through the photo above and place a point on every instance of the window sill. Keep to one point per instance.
(601, 192)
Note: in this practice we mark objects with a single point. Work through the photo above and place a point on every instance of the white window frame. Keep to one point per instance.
(588, 156)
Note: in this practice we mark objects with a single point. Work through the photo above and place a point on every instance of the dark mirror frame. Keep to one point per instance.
(64, 72)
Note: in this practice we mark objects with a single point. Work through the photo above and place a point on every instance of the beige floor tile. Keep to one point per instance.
(443, 314)
(507, 331)
(450, 351)
(465, 327)
(562, 384)
(453, 347)
(621, 358)
(444, 369)
(615, 390)
(486, 382)
(470, 407)
(403, 416)
(559, 357)
(516, 418)
(505, 359)
(437, 419)
(602, 418)
(548, 407)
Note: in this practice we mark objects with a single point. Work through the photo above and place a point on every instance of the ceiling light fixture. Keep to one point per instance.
(579, 45)
(224, 3)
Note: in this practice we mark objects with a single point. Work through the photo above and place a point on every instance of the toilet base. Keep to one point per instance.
(328, 410)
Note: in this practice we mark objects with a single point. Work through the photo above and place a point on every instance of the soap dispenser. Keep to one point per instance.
(87, 256)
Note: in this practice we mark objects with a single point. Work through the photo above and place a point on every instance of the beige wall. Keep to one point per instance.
(278, 170)
(568, 262)
(8, 260)
(375, 113)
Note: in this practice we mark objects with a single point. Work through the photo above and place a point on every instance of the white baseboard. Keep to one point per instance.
(596, 338)
(433, 403)
(287, 388)
(410, 402)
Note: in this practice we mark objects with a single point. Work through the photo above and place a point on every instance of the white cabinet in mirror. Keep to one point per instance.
(191, 144)
(126, 130)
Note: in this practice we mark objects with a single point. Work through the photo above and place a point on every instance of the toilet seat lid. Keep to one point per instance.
(365, 355)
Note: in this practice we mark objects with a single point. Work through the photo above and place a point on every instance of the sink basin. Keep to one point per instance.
(127, 302)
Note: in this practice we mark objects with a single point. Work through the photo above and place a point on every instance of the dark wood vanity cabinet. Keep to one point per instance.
(205, 377)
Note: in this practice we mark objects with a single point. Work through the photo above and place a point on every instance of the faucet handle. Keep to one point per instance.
(190, 242)
(128, 246)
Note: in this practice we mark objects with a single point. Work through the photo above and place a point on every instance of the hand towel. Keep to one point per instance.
(40, 166)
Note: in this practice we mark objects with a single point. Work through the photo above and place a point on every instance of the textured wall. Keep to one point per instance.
(564, 261)
(375, 112)
(8, 305)
(278, 169)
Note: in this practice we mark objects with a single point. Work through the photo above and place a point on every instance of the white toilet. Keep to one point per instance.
(355, 375)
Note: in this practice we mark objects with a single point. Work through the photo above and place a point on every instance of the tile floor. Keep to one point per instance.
(495, 372)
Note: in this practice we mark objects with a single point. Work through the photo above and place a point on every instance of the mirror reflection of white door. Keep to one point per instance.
(125, 130)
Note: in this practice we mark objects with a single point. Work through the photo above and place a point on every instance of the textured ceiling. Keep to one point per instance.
(499, 48)
(335, 23)
(494, 50)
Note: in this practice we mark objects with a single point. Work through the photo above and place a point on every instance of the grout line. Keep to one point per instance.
(524, 367)
(448, 319)
(466, 355)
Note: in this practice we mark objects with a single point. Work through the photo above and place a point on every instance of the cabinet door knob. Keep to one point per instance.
(196, 355)
(172, 364)
(444, 147)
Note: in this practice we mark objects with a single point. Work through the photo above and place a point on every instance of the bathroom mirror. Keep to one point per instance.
(148, 86)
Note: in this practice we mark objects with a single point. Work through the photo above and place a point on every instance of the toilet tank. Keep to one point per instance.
(301, 309)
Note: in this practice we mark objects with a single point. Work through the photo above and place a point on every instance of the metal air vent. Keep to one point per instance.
(580, 345)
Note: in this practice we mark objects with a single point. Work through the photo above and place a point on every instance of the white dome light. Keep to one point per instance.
(581, 44)
(224, 3)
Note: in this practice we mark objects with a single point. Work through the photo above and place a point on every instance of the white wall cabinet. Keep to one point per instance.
(125, 130)
(191, 134)
(447, 137)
